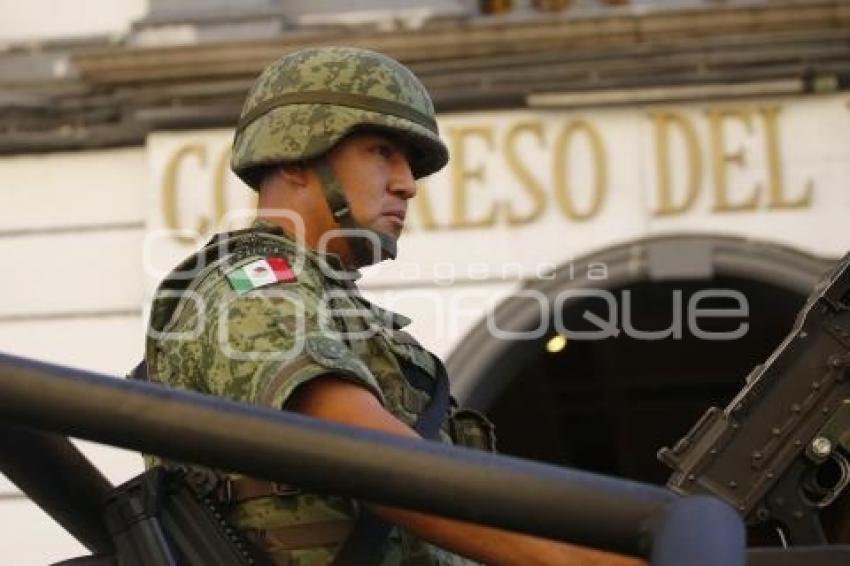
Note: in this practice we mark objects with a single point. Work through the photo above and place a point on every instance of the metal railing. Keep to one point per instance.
(575, 506)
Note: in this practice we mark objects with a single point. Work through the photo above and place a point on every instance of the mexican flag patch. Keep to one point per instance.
(260, 273)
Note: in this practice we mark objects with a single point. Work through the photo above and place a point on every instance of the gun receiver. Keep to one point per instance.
(779, 451)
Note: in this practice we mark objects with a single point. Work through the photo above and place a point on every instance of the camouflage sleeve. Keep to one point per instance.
(270, 341)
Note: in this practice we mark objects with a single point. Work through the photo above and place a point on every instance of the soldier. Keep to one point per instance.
(332, 139)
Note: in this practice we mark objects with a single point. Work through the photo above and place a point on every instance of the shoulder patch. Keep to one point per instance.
(259, 273)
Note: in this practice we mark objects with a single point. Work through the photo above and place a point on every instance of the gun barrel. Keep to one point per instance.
(55, 475)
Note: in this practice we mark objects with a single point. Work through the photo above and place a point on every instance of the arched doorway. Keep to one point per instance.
(693, 315)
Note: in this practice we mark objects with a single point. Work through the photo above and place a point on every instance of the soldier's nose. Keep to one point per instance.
(403, 183)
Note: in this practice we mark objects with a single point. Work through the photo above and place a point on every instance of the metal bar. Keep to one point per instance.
(485, 488)
(691, 530)
(56, 476)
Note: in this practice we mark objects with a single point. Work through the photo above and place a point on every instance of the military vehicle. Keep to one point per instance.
(733, 460)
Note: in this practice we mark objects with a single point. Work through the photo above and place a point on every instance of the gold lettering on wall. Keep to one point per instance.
(663, 124)
(721, 145)
(170, 209)
(460, 176)
(776, 188)
(721, 158)
(530, 185)
(563, 191)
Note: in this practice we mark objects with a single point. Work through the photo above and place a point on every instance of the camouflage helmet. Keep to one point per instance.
(307, 101)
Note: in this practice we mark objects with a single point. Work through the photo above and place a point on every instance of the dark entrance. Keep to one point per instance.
(609, 404)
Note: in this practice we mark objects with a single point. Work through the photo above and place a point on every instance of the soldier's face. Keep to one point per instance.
(375, 175)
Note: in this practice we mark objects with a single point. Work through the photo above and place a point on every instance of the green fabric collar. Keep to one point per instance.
(337, 270)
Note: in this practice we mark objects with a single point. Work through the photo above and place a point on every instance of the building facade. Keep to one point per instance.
(640, 196)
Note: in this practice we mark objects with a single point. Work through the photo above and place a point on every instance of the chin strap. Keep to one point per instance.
(361, 245)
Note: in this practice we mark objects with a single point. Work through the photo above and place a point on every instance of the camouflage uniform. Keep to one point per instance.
(258, 346)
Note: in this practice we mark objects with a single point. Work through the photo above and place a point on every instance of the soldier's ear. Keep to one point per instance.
(294, 174)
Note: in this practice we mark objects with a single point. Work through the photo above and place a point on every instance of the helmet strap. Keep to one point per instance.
(341, 210)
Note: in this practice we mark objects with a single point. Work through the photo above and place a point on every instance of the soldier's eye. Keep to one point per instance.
(384, 150)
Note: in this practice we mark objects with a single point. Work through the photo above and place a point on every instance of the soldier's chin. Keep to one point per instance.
(367, 249)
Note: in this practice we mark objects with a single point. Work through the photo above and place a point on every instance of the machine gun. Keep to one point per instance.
(778, 453)
(160, 518)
